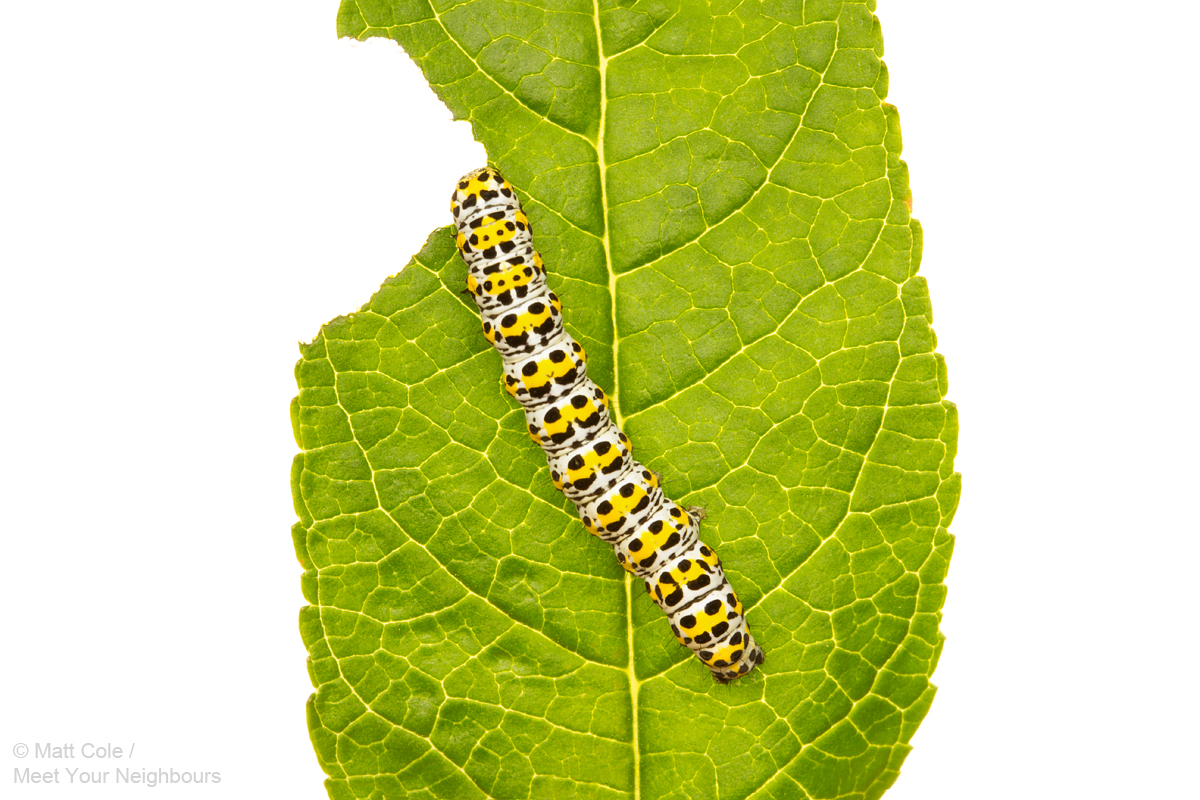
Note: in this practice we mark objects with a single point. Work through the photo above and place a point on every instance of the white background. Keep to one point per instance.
(187, 190)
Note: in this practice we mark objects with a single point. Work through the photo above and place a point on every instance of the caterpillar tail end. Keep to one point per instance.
(752, 657)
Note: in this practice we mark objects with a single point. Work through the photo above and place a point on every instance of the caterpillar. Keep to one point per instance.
(590, 459)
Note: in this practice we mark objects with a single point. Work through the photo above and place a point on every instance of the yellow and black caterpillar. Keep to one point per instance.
(590, 459)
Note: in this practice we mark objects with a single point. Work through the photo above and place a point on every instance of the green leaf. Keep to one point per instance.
(718, 195)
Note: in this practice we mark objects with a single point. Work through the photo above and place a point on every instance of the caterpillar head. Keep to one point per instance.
(479, 192)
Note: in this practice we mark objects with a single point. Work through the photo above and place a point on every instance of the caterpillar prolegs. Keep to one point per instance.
(618, 499)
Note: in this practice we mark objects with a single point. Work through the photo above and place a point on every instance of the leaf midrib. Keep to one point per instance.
(634, 683)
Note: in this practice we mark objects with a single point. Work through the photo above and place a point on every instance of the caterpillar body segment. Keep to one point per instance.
(570, 421)
(622, 508)
(528, 327)
(591, 461)
(548, 375)
(504, 281)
